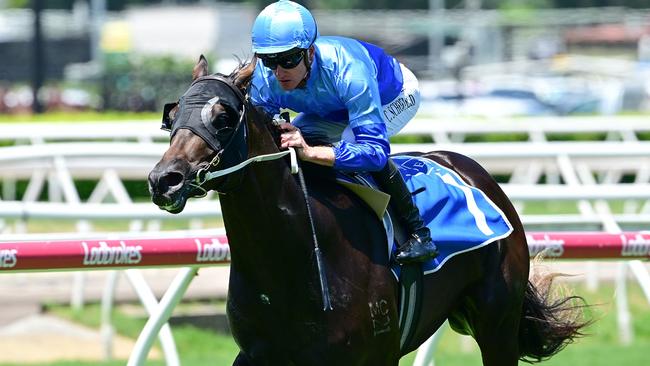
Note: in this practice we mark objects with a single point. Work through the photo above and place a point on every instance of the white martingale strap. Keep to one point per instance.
(256, 159)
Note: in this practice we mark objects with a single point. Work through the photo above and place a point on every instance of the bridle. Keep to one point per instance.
(206, 173)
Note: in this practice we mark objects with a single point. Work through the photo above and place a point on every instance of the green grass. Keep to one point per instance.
(195, 346)
(44, 226)
(198, 347)
(81, 363)
(549, 207)
(79, 116)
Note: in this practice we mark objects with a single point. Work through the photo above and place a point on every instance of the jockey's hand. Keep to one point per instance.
(291, 137)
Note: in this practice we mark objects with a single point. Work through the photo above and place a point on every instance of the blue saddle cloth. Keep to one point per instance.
(461, 217)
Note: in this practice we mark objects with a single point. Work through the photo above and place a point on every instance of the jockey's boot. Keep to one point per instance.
(419, 247)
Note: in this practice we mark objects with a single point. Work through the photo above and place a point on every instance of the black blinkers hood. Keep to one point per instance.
(227, 137)
(195, 111)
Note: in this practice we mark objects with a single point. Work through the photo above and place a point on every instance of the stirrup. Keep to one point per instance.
(416, 250)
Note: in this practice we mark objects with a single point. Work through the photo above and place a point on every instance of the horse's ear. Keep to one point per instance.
(200, 69)
(244, 75)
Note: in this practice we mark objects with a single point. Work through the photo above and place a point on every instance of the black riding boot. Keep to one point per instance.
(419, 247)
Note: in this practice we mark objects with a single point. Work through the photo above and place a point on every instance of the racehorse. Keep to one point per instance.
(275, 301)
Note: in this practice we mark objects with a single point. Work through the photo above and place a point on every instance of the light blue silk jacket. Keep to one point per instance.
(350, 80)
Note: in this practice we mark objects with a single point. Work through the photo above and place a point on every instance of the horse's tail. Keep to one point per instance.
(548, 323)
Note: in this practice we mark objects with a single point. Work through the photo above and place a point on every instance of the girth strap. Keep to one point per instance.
(410, 302)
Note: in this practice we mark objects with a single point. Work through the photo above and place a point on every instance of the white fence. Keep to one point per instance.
(134, 160)
(442, 130)
(588, 171)
(538, 129)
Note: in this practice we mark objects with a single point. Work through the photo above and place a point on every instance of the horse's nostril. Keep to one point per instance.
(171, 179)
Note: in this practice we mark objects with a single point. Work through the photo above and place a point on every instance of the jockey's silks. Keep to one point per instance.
(349, 81)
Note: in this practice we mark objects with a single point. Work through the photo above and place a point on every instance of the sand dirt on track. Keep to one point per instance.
(45, 338)
(28, 336)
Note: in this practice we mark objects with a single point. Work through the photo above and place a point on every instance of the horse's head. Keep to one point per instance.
(207, 130)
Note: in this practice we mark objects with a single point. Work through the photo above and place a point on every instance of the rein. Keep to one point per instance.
(205, 175)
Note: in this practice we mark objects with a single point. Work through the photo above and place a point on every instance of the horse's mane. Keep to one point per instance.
(242, 75)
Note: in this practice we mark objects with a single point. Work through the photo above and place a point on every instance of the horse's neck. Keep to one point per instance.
(266, 214)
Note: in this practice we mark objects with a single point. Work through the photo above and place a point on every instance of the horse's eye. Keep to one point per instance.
(220, 121)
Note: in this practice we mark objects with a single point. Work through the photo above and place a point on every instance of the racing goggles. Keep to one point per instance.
(287, 60)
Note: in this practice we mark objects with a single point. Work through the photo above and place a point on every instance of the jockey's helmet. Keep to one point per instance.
(282, 26)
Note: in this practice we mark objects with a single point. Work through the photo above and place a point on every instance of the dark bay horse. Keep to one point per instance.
(274, 302)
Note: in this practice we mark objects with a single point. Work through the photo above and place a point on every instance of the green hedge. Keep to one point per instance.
(138, 83)
(137, 189)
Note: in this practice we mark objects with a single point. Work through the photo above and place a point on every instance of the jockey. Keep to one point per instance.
(351, 97)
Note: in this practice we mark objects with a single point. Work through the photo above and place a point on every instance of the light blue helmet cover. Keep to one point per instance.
(282, 26)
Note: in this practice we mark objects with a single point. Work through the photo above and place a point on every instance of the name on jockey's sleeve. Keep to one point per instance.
(398, 106)
(8, 258)
(212, 252)
(104, 255)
